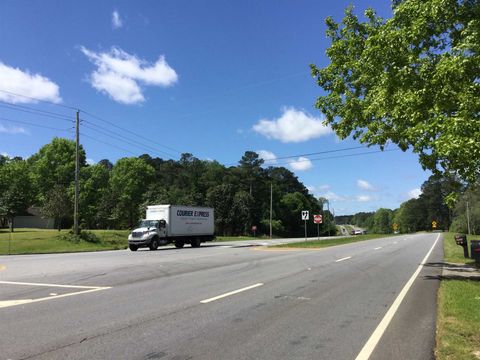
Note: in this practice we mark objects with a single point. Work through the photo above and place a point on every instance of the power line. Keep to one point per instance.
(32, 124)
(37, 99)
(121, 138)
(124, 138)
(130, 132)
(341, 156)
(106, 143)
(34, 111)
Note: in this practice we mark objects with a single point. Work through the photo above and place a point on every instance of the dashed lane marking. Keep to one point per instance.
(86, 289)
(377, 248)
(343, 259)
(230, 293)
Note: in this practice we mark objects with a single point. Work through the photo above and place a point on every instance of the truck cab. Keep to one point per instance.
(149, 233)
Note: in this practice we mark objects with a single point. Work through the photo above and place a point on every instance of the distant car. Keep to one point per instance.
(358, 232)
(352, 232)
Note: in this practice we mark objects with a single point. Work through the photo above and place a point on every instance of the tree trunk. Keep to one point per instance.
(59, 224)
(11, 224)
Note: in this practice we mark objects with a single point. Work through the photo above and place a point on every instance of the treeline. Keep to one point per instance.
(116, 195)
(443, 199)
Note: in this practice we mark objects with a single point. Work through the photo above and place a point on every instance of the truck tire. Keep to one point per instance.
(195, 243)
(179, 244)
(133, 247)
(154, 244)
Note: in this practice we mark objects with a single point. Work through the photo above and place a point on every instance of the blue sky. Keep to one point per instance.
(214, 78)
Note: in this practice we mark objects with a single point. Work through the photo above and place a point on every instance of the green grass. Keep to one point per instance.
(333, 242)
(458, 317)
(39, 241)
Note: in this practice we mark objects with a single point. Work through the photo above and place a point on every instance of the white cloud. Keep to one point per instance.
(117, 22)
(324, 187)
(365, 185)
(292, 126)
(16, 81)
(269, 157)
(301, 164)
(12, 130)
(364, 198)
(414, 193)
(5, 154)
(120, 74)
(90, 161)
(330, 195)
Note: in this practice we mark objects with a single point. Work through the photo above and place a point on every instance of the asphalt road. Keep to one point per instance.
(223, 301)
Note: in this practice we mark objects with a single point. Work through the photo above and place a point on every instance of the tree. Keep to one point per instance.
(93, 184)
(382, 221)
(411, 80)
(15, 189)
(129, 179)
(57, 204)
(54, 164)
(411, 216)
(221, 198)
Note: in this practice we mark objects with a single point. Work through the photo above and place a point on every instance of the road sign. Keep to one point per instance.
(305, 215)
(317, 219)
(434, 224)
(254, 228)
(395, 226)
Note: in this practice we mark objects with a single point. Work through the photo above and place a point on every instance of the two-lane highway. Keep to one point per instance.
(223, 302)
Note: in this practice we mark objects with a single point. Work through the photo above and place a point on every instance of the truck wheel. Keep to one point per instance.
(133, 247)
(195, 243)
(154, 244)
(179, 244)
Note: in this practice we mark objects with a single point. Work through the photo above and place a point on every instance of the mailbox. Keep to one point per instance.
(475, 250)
(461, 239)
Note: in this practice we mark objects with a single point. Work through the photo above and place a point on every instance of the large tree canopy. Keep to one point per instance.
(413, 80)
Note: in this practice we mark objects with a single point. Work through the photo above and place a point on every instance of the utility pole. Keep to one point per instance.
(271, 206)
(77, 173)
(468, 219)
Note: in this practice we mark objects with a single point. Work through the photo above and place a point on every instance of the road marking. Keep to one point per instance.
(395, 242)
(342, 259)
(377, 248)
(88, 289)
(54, 285)
(372, 342)
(231, 293)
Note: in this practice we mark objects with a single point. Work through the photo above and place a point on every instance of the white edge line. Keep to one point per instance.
(5, 304)
(345, 258)
(231, 293)
(55, 285)
(372, 342)
(377, 248)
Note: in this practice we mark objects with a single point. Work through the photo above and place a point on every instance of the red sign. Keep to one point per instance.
(254, 228)
(317, 219)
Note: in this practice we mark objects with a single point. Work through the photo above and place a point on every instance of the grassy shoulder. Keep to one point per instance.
(458, 317)
(39, 241)
(334, 241)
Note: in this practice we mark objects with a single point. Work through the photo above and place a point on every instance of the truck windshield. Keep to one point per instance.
(148, 223)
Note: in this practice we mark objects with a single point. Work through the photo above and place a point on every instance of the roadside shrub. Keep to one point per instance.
(86, 236)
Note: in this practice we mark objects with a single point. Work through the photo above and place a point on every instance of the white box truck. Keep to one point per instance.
(178, 224)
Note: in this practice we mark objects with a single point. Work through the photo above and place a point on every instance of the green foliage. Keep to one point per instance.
(128, 180)
(54, 164)
(86, 236)
(382, 221)
(57, 204)
(411, 80)
(16, 191)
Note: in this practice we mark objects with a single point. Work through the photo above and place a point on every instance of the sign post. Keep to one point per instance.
(305, 218)
(317, 219)
(254, 229)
